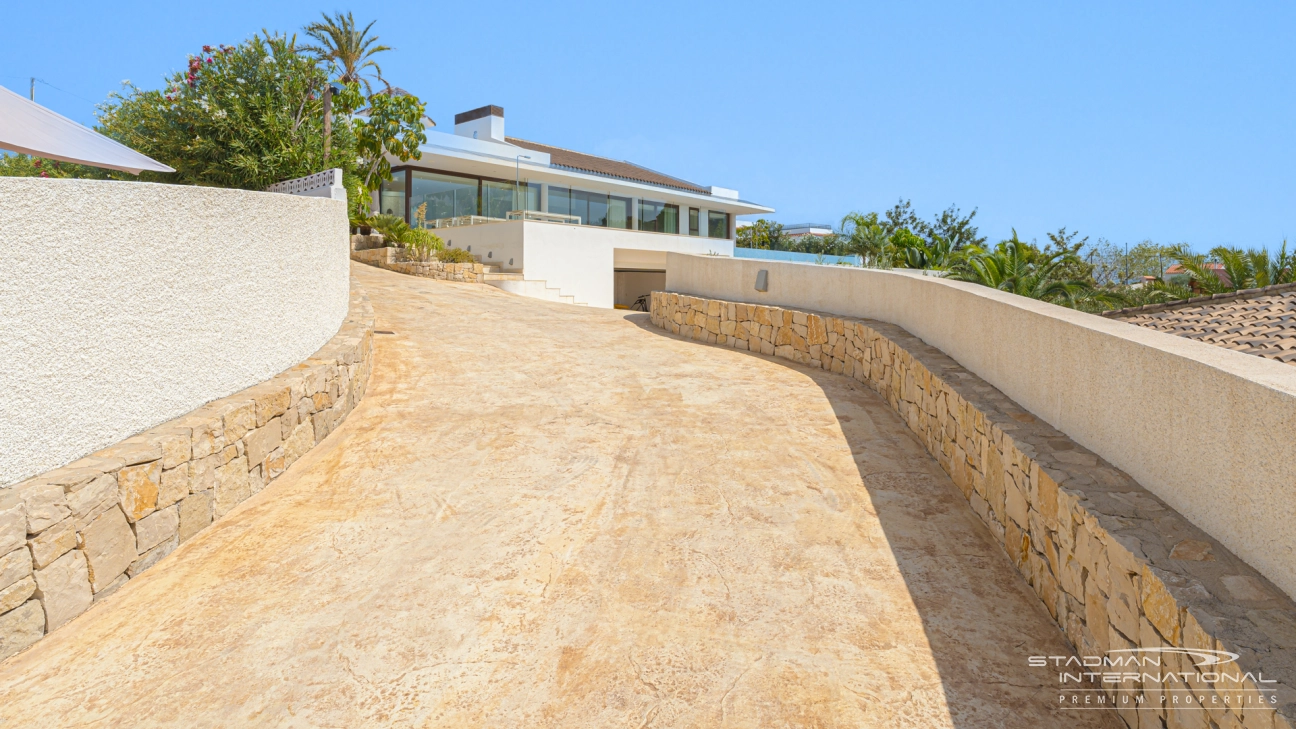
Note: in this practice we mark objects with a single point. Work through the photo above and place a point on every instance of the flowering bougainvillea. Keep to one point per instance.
(248, 116)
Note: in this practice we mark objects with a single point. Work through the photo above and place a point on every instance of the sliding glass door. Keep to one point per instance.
(446, 196)
(593, 208)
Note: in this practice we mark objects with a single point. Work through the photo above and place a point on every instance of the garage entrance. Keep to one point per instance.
(631, 283)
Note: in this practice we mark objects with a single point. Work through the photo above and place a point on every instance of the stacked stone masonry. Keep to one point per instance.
(1114, 566)
(71, 537)
(395, 259)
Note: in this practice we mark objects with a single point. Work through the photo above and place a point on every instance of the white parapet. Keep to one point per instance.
(321, 184)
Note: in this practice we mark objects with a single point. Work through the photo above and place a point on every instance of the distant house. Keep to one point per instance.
(1178, 274)
(590, 227)
(800, 230)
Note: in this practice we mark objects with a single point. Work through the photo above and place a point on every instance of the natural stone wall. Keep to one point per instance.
(1114, 565)
(367, 242)
(74, 535)
(393, 259)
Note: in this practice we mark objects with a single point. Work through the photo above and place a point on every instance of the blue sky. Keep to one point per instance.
(1170, 121)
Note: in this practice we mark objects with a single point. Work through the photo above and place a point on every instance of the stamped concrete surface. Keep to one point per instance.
(550, 516)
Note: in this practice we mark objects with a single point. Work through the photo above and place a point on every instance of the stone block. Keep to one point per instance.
(132, 451)
(153, 556)
(13, 523)
(137, 489)
(15, 565)
(288, 422)
(21, 627)
(297, 444)
(156, 528)
(207, 435)
(1123, 602)
(1096, 620)
(174, 486)
(195, 514)
(1159, 606)
(262, 441)
(45, 505)
(323, 425)
(109, 547)
(93, 496)
(16, 594)
(238, 418)
(63, 589)
(53, 543)
(202, 474)
(272, 400)
(231, 485)
(175, 445)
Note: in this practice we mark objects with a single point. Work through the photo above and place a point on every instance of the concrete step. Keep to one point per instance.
(517, 283)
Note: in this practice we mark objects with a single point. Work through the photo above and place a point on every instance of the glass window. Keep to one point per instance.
(593, 208)
(498, 198)
(531, 195)
(560, 200)
(717, 224)
(694, 228)
(598, 208)
(619, 212)
(658, 217)
(579, 206)
(391, 195)
(447, 196)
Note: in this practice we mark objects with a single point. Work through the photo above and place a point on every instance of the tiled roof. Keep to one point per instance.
(581, 162)
(1255, 321)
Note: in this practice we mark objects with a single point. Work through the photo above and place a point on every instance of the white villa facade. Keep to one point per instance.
(558, 222)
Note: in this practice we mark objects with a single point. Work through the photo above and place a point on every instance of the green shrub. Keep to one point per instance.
(422, 243)
(392, 227)
(454, 255)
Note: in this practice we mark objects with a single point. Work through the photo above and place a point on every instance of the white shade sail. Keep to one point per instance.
(29, 128)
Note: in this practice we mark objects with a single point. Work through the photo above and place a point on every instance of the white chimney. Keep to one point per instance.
(486, 123)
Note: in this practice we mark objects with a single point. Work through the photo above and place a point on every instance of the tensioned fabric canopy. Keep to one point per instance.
(30, 128)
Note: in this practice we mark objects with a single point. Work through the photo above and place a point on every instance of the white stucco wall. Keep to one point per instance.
(576, 259)
(1209, 430)
(125, 304)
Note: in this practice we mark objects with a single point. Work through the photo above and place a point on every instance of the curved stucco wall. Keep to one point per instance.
(1209, 430)
(125, 304)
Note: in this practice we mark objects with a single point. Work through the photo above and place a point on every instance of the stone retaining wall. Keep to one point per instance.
(1114, 565)
(72, 536)
(392, 260)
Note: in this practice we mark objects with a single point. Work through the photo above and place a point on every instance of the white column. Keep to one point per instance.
(704, 230)
(634, 213)
(544, 197)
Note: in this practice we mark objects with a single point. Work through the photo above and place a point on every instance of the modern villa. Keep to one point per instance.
(556, 220)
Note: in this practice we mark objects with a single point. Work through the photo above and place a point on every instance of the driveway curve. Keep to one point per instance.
(550, 516)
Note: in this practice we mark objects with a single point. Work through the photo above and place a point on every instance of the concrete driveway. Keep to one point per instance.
(550, 516)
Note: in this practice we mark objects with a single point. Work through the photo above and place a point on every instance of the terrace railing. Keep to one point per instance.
(543, 217)
(460, 221)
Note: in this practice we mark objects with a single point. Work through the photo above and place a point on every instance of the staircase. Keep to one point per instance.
(517, 283)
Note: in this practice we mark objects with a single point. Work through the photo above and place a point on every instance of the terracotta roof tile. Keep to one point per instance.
(1257, 321)
(581, 162)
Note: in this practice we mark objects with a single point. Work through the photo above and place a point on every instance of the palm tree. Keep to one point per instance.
(1020, 268)
(1254, 268)
(340, 44)
(868, 239)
